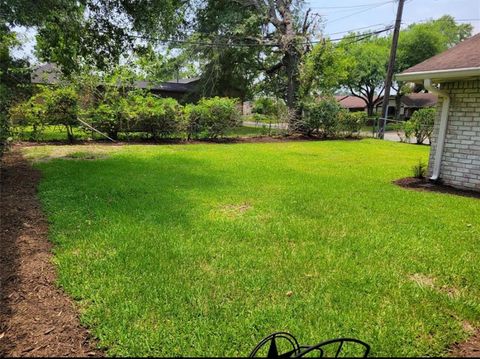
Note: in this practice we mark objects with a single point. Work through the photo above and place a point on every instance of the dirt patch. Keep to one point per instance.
(234, 210)
(467, 349)
(425, 185)
(425, 281)
(36, 318)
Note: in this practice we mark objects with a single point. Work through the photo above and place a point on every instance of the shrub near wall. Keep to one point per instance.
(212, 117)
(420, 124)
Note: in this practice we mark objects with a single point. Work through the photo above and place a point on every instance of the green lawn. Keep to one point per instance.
(199, 250)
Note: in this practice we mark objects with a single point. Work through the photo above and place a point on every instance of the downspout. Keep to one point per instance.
(442, 132)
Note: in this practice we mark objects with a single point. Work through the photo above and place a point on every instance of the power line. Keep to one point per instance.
(346, 7)
(358, 28)
(232, 42)
(359, 12)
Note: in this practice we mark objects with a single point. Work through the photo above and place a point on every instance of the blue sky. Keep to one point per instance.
(343, 15)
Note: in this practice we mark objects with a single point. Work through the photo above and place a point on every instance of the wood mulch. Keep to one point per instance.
(36, 317)
(421, 184)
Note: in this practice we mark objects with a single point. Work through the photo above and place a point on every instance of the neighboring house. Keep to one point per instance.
(454, 76)
(49, 74)
(408, 103)
(416, 101)
(351, 103)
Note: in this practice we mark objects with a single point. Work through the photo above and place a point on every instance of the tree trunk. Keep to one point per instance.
(370, 108)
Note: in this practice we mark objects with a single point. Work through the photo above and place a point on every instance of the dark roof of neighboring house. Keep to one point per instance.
(419, 100)
(185, 81)
(464, 55)
(50, 74)
(347, 101)
(170, 86)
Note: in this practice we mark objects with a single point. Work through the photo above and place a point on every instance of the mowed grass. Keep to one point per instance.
(201, 250)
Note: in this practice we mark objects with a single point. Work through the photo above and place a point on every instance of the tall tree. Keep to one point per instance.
(291, 28)
(368, 59)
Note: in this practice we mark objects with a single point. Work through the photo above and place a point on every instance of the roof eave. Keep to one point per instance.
(439, 75)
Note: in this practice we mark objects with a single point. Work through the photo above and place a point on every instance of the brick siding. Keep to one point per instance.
(461, 154)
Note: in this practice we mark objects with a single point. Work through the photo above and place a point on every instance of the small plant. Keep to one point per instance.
(420, 170)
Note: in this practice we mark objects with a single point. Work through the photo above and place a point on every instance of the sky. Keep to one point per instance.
(344, 15)
(341, 16)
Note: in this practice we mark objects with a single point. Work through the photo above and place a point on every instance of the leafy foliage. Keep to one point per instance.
(366, 75)
(352, 122)
(62, 108)
(269, 107)
(321, 118)
(419, 170)
(158, 116)
(420, 124)
(324, 68)
(212, 117)
(14, 80)
(30, 113)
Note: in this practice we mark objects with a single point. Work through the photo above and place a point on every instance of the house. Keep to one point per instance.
(351, 103)
(454, 76)
(408, 103)
(50, 74)
(416, 101)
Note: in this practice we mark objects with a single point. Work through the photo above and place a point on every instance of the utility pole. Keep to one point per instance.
(391, 65)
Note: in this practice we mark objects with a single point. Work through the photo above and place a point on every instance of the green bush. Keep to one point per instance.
(31, 113)
(212, 117)
(320, 118)
(351, 122)
(160, 117)
(106, 118)
(62, 108)
(420, 124)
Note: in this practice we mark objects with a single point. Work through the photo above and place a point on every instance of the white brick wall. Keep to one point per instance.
(461, 154)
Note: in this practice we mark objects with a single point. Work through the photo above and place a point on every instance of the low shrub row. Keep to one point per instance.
(134, 112)
(326, 118)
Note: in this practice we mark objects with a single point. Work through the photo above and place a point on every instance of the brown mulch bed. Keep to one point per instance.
(425, 185)
(36, 317)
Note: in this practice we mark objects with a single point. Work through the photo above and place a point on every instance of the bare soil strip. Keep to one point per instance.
(36, 317)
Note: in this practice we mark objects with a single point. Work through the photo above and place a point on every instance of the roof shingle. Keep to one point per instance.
(463, 55)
